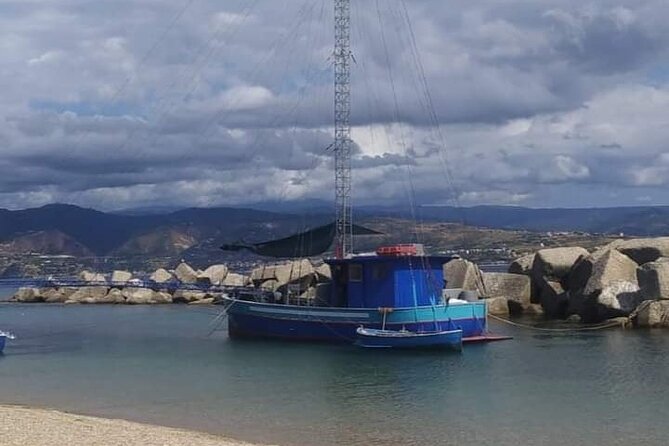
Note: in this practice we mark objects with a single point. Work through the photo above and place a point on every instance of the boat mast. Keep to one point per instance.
(342, 142)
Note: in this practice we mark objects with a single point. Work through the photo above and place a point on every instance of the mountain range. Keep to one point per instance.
(72, 230)
(68, 229)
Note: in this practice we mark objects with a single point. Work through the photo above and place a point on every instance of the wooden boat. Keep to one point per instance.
(404, 339)
(378, 291)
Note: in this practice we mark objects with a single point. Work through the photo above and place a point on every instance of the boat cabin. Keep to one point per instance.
(389, 278)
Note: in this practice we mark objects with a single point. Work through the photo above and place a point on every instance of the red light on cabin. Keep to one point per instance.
(400, 250)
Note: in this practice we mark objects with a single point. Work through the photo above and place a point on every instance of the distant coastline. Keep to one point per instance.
(23, 425)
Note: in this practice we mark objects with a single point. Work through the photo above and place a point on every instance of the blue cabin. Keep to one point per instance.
(378, 281)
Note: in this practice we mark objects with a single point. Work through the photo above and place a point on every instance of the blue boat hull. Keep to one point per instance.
(2, 343)
(450, 340)
(277, 321)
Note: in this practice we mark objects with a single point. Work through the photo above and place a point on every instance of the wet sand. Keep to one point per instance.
(20, 426)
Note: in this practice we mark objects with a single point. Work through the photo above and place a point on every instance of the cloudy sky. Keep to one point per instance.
(123, 103)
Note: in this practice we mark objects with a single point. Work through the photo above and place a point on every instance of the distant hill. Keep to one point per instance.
(149, 210)
(634, 221)
(72, 230)
(51, 242)
(103, 233)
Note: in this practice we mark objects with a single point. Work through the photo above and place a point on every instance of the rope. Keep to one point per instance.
(217, 322)
(556, 330)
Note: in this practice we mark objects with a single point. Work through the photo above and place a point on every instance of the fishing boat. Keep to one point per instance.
(395, 288)
(405, 339)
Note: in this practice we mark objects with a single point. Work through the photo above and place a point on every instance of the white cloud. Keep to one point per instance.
(130, 102)
(49, 56)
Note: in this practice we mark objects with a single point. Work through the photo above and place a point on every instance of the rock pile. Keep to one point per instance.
(623, 279)
(299, 279)
(651, 313)
(507, 293)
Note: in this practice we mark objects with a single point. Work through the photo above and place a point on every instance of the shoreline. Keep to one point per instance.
(22, 425)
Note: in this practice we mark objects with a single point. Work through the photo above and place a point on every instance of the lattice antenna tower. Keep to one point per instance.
(342, 142)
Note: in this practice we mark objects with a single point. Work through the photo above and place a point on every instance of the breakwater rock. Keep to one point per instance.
(623, 279)
(184, 284)
(628, 279)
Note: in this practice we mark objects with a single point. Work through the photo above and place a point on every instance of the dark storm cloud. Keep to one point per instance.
(123, 103)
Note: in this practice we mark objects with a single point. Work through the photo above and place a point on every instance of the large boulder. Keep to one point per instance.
(610, 267)
(651, 314)
(522, 265)
(653, 279)
(161, 275)
(552, 266)
(161, 298)
(603, 285)
(556, 263)
(114, 296)
(28, 295)
(88, 295)
(109, 298)
(143, 296)
(137, 296)
(532, 309)
(185, 274)
(553, 299)
(465, 275)
(498, 306)
(215, 274)
(323, 272)
(580, 273)
(290, 279)
(284, 273)
(309, 293)
(516, 287)
(188, 296)
(121, 277)
(618, 299)
(57, 295)
(234, 279)
(644, 250)
(91, 277)
(269, 285)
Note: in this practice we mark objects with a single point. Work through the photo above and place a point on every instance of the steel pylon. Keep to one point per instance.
(342, 131)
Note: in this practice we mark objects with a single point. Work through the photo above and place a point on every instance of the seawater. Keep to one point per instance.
(164, 365)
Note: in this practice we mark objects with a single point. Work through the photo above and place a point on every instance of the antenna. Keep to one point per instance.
(342, 142)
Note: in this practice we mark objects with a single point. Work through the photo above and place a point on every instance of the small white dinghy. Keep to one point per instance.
(404, 339)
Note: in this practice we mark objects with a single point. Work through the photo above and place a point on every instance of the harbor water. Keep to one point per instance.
(164, 365)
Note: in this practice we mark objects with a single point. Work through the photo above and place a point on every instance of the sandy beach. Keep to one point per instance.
(21, 426)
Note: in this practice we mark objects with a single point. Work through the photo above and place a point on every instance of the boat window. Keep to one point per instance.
(355, 273)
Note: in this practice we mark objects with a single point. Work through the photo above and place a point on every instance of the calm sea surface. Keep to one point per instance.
(162, 365)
